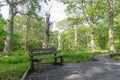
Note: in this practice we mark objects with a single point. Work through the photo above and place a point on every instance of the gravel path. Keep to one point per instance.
(103, 69)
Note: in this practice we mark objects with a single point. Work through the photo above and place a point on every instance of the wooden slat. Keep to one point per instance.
(42, 49)
(42, 53)
(36, 60)
(51, 57)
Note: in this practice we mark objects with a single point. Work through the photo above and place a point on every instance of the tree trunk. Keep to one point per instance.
(46, 33)
(92, 30)
(26, 32)
(69, 44)
(75, 36)
(8, 41)
(111, 25)
(92, 40)
(59, 41)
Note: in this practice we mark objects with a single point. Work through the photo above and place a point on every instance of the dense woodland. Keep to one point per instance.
(91, 24)
(91, 27)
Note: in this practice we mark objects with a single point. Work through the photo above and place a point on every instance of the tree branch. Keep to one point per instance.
(33, 17)
(9, 2)
(16, 3)
(85, 13)
(21, 13)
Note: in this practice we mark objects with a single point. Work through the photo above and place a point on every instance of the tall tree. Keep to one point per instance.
(12, 13)
(59, 40)
(26, 31)
(90, 11)
(46, 33)
(47, 23)
(111, 25)
(13, 10)
(75, 33)
(91, 25)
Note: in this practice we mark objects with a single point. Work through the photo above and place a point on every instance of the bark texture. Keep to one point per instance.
(92, 30)
(75, 32)
(111, 25)
(46, 33)
(59, 41)
(8, 41)
(26, 31)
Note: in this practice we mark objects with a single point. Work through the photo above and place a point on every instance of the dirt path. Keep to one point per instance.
(103, 69)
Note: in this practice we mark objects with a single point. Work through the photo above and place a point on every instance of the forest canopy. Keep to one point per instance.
(90, 24)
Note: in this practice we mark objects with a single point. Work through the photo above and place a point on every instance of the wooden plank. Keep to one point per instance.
(43, 53)
(42, 49)
(36, 60)
(49, 57)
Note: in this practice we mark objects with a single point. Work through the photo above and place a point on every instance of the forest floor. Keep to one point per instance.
(104, 68)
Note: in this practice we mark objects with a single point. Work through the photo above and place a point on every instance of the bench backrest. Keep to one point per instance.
(42, 51)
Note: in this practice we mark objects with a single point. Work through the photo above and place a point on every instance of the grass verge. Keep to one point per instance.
(76, 55)
(116, 57)
(13, 66)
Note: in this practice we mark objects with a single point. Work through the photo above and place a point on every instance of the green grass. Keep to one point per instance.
(12, 71)
(13, 66)
(76, 55)
(117, 57)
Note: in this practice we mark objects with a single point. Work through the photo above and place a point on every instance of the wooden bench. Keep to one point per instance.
(39, 52)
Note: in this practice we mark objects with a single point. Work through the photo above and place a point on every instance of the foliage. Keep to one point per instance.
(35, 32)
(76, 55)
(117, 32)
(3, 33)
(116, 57)
(102, 36)
(12, 71)
(15, 57)
(86, 12)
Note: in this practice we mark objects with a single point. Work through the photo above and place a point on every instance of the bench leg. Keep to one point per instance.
(36, 66)
(58, 63)
(31, 65)
(55, 60)
(61, 58)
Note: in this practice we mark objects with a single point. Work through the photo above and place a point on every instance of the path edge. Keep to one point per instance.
(25, 74)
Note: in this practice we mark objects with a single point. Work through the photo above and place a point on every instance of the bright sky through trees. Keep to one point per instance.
(57, 11)
(4, 11)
